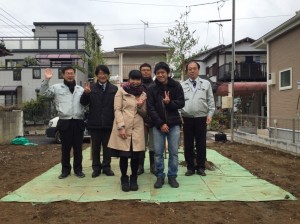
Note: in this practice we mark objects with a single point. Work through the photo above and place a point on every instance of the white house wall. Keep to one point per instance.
(202, 68)
(142, 58)
(210, 62)
(245, 46)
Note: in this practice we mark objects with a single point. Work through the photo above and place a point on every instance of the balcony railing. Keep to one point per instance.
(244, 72)
(40, 43)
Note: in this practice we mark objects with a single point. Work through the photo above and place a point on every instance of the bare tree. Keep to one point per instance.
(181, 41)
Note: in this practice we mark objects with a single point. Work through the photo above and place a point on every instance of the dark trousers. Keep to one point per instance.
(194, 130)
(134, 164)
(71, 132)
(100, 137)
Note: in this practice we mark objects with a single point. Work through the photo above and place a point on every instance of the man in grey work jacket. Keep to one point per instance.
(70, 124)
(197, 114)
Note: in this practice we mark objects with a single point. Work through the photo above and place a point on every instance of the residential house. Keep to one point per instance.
(54, 45)
(283, 54)
(124, 59)
(249, 78)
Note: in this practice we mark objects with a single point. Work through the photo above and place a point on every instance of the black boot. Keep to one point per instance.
(133, 183)
(152, 163)
(125, 183)
(141, 167)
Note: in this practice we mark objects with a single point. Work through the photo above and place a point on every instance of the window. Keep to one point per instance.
(67, 39)
(285, 79)
(2, 99)
(10, 100)
(17, 74)
(36, 73)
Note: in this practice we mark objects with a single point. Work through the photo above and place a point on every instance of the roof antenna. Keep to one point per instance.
(145, 25)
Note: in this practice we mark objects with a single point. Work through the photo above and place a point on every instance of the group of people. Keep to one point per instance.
(123, 121)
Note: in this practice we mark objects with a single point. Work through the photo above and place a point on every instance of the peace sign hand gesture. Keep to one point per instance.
(48, 73)
(87, 87)
(166, 100)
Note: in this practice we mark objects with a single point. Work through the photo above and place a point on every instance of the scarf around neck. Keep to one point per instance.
(71, 85)
(133, 90)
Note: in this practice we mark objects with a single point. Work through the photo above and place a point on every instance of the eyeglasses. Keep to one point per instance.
(69, 73)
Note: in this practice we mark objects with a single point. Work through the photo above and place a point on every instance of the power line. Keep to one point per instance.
(135, 3)
(159, 5)
(14, 19)
(170, 23)
(209, 3)
(262, 17)
(11, 27)
(167, 24)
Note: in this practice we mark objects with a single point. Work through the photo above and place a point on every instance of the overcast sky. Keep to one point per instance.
(120, 22)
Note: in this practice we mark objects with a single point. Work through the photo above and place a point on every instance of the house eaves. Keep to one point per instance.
(246, 39)
(278, 31)
(62, 23)
(208, 53)
(110, 54)
(142, 48)
(205, 55)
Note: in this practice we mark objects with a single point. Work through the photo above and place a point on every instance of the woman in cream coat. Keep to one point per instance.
(127, 137)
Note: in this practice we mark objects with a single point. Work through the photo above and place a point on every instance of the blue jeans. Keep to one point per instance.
(159, 146)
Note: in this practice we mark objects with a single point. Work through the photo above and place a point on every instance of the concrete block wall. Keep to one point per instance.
(278, 144)
(11, 125)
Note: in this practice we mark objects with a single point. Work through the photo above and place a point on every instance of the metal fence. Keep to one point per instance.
(272, 127)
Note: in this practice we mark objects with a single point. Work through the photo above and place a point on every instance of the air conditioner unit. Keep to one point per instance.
(271, 79)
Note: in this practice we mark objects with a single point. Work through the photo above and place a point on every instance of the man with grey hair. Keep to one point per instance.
(197, 114)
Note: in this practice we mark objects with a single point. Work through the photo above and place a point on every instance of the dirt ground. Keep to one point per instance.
(20, 164)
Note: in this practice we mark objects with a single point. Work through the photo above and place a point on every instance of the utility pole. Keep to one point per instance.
(145, 25)
(233, 64)
(233, 69)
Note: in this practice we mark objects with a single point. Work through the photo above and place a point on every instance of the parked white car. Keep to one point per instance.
(52, 132)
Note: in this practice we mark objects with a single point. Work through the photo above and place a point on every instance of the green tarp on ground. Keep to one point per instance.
(229, 182)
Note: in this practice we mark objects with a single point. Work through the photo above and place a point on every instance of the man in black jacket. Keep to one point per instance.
(100, 98)
(164, 100)
(147, 81)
